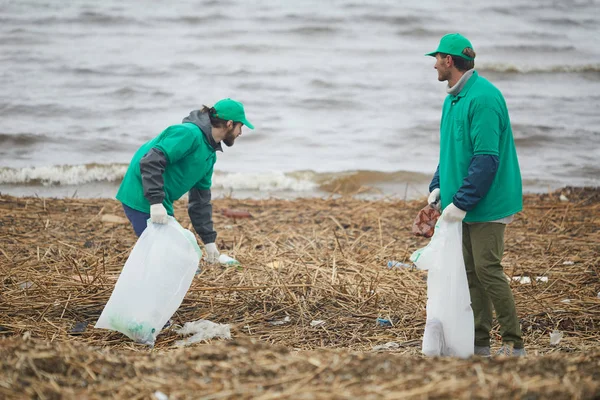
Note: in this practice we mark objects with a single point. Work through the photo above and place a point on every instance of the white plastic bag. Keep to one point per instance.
(449, 329)
(153, 283)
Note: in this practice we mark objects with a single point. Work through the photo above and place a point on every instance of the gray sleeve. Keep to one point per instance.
(152, 167)
(200, 211)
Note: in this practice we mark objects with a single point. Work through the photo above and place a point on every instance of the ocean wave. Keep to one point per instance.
(530, 69)
(63, 174)
(343, 182)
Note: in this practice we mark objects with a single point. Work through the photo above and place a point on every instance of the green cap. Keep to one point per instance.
(453, 44)
(229, 109)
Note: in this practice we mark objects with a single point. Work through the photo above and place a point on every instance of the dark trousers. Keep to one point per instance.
(483, 246)
(138, 219)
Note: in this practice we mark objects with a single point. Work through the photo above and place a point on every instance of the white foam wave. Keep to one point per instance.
(83, 174)
(264, 181)
(63, 174)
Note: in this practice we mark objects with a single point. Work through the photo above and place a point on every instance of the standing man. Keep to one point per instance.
(181, 160)
(478, 181)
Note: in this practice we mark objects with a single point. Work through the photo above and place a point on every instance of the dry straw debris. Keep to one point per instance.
(302, 261)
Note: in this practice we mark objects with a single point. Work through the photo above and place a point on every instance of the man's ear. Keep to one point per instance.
(229, 124)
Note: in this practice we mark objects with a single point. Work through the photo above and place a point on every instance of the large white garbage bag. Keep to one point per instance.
(153, 283)
(449, 329)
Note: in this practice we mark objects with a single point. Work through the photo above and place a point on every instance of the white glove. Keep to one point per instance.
(434, 199)
(212, 253)
(434, 196)
(453, 213)
(158, 214)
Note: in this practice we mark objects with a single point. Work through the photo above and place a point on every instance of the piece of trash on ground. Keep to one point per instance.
(397, 264)
(224, 259)
(523, 280)
(160, 395)
(79, 327)
(281, 321)
(236, 214)
(202, 330)
(568, 263)
(555, 337)
(383, 322)
(26, 285)
(387, 346)
(317, 322)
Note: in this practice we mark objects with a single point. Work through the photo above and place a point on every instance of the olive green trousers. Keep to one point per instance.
(483, 246)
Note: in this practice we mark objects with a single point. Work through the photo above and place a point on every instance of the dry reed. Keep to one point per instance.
(309, 260)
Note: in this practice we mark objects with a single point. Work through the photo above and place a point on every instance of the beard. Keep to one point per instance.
(443, 75)
(229, 139)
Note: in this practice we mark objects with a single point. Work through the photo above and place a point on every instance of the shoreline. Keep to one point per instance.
(323, 259)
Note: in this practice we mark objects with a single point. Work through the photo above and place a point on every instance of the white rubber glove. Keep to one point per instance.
(453, 213)
(158, 214)
(212, 253)
(434, 196)
(434, 199)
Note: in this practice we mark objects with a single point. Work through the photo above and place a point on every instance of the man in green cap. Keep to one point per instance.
(180, 160)
(478, 182)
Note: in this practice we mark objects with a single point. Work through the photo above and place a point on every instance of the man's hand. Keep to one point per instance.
(453, 213)
(434, 198)
(212, 253)
(158, 214)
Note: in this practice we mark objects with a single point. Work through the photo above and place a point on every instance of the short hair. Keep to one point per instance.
(216, 122)
(462, 64)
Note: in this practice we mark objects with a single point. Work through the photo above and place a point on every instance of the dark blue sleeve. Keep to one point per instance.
(482, 171)
(435, 182)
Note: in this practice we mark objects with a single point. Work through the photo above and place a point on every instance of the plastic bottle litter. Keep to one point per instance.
(226, 260)
(397, 264)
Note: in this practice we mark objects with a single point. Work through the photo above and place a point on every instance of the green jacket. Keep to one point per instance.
(476, 122)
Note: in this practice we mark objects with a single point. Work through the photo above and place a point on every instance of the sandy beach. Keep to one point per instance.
(302, 261)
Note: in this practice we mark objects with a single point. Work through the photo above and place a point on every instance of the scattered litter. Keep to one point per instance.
(281, 321)
(317, 323)
(563, 198)
(383, 322)
(568, 263)
(160, 395)
(202, 330)
(79, 327)
(566, 301)
(387, 346)
(226, 260)
(598, 295)
(397, 264)
(555, 337)
(236, 214)
(26, 285)
(523, 280)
